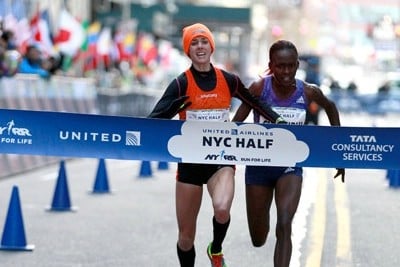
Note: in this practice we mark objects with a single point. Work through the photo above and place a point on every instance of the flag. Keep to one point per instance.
(165, 51)
(106, 48)
(147, 48)
(106, 45)
(104, 42)
(24, 35)
(41, 34)
(93, 33)
(125, 42)
(90, 57)
(71, 35)
(85, 26)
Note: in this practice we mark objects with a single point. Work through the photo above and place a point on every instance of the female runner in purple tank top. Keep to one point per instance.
(289, 98)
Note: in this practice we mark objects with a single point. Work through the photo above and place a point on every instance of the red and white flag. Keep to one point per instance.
(71, 34)
(41, 34)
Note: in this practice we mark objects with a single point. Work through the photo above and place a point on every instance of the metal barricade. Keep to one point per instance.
(137, 101)
(66, 94)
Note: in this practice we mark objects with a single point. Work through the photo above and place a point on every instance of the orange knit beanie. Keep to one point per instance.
(192, 31)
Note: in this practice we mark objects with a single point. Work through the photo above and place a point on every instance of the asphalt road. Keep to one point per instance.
(134, 223)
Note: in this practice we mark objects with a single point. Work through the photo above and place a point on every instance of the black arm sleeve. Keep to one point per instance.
(172, 101)
(266, 111)
(161, 109)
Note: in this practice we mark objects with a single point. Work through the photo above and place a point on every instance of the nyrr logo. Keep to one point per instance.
(11, 130)
(221, 156)
(14, 135)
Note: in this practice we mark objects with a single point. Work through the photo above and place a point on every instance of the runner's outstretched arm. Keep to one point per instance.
(266, 111)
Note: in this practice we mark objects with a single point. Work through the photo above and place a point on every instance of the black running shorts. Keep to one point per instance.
(197, 174)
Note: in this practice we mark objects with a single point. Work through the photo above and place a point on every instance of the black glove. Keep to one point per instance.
(340, 172)
(280, 120)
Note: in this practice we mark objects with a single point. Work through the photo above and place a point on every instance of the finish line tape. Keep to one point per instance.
(117, 137)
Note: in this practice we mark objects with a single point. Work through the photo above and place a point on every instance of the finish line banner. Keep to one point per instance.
(98, 136)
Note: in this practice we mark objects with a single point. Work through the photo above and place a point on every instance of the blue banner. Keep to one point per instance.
(98, 136)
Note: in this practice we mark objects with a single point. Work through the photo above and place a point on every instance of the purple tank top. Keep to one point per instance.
(292, 109)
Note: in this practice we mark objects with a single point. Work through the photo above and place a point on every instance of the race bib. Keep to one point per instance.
(207, 115)
(290, 115)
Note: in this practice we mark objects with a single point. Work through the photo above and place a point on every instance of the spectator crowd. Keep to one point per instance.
(84, 49)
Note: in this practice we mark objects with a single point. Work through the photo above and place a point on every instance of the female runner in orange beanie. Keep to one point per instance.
(203, 92)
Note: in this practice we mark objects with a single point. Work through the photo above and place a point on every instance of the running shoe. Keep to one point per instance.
(217, 259)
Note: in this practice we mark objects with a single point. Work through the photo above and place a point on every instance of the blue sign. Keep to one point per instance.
(118, 137)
